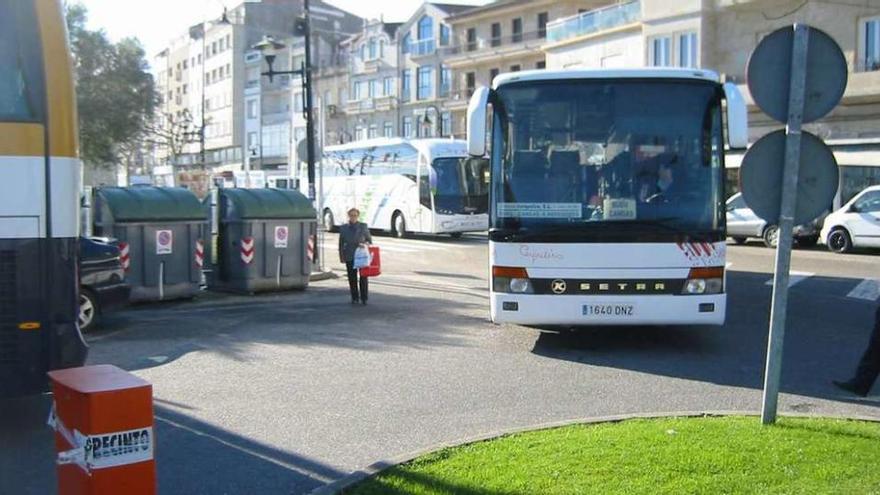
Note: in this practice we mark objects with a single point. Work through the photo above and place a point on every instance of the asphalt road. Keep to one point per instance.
(282, 393)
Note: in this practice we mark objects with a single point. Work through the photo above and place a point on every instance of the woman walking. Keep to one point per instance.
(353, 235)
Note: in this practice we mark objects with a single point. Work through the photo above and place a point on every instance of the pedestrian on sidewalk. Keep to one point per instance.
(869, 365)
(353, 235)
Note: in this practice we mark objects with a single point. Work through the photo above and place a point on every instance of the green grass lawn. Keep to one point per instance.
(677, 455)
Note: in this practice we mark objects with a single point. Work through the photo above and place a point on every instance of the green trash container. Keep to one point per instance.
(161, 233)
(266, 240)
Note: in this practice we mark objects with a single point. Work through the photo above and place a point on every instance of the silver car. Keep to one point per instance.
(743, 224)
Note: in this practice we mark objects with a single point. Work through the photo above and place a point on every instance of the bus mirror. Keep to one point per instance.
(476, 122)
(737, 118)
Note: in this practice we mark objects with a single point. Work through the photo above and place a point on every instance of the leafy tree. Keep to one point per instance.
(116, 95)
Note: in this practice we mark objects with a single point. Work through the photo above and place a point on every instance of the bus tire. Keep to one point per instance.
(398, 225)
(327, 217)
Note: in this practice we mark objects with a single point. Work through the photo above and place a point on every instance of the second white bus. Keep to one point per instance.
(406, 186)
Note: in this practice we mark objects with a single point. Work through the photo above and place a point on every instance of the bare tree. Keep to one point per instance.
(171, 134)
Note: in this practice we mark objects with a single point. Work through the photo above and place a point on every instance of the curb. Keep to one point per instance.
(377, 467)
(319, 276)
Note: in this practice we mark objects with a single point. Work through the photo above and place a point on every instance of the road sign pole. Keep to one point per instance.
(773, 371)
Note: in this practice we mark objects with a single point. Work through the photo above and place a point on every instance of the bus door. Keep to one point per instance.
(421, 212)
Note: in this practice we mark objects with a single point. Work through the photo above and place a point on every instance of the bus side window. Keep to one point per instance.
(425, 187)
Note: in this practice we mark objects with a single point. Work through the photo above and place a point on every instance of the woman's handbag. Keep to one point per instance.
(374, 269)
(361, 257)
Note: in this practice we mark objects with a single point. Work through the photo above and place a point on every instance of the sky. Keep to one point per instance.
(155, 22)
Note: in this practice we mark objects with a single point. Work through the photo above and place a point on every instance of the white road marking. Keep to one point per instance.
(728, 265)
(158, 359)
(868, 289)
(795, 278)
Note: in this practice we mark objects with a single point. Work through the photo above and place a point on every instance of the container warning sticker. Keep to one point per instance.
(164, 241)
(281, 234)
(119, 448)
(540, 210)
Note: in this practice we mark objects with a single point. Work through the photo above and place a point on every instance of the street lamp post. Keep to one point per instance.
(268, 46)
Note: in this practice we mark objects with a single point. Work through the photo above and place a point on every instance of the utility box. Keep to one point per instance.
(161, 233)
(265, 241)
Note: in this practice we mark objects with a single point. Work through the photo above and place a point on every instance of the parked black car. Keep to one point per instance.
(101, 279)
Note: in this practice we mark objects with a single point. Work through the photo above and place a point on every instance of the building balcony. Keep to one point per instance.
(459, 99)
(386, 102)
(422, 48)
(492, 49)
(594, 21)
(354, 107)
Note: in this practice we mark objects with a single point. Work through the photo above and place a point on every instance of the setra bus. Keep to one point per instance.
(607, 194)
(39, 198)
(406, 186)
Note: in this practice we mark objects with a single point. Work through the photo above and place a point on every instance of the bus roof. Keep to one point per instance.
(436, 147)
(646, 73)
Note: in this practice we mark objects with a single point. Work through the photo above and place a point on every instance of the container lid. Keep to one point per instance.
(148, 203)
(244, 204)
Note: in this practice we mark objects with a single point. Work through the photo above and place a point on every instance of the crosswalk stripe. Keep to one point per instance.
(794, 278)
(868, 289)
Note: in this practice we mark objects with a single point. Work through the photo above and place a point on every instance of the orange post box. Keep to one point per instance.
(103, 420)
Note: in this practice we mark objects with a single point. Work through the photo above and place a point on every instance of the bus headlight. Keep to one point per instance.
(709, 280)
(520, 285)
(511, 280)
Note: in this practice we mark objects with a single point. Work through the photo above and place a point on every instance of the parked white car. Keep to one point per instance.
(743, 224)
(856, 224)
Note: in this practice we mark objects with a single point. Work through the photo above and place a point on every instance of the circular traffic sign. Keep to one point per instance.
(762, 170)
(769, 74)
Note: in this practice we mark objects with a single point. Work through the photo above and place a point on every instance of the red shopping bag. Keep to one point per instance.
(375, 268)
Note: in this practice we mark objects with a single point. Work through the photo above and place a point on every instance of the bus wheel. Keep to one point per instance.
(398, 225)
(455, 235)
(328, 221)
(88, 310)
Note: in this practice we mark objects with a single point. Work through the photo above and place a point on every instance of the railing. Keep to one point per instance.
(594, 21)
(464, 46)
(422, 47)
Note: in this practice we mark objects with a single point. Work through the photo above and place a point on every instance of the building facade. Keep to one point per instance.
(720, 35)
(503, 36)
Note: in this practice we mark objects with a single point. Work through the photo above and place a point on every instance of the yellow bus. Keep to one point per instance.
(39, 198)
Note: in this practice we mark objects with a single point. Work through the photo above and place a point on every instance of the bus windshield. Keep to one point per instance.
(459, 185)
(636, 154)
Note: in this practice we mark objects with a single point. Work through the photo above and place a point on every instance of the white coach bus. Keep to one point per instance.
(406, 186)
(607, 194)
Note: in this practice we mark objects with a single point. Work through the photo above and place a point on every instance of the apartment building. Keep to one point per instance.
(503, 36)
(373, 106)
(425, 78)
(205, 69)
(720, 35)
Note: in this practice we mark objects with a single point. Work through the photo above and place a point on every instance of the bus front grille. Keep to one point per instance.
(8, 306)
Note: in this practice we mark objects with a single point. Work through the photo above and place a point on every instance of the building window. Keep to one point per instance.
(445, 124)
(424, 83)
(515, 68)
(516, 27)
(373, 132)
(359, 133)
(404, 44)
(445, 80)
(298, 102)
(425, 43)
(375, 88)
(470, 83)
(687, 50)
(381, 48)
(471, 39)
(661, 51)
(542, 24)
(388, 130)
(871, 57)
(444, 35)
(405, 91)
(493, 73)
(251, 140)
(388, 86)
(496, 34)
(406, 130)
(374, 49)
(541, 64)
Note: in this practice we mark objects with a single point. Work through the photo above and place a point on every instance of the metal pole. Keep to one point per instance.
(310, 124)
(773, 370)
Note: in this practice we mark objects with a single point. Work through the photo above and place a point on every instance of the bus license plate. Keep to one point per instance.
(609, 310)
